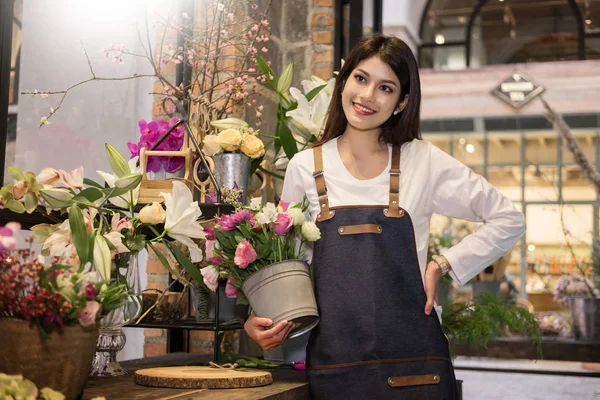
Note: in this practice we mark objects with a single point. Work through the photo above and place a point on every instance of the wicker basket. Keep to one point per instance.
(61, 362)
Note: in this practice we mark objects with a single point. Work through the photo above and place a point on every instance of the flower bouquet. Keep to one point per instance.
(49, 313)
(259, 250)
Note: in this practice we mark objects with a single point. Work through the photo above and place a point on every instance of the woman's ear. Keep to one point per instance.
(402, 105)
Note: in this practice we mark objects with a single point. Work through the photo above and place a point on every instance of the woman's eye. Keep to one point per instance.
(360, 78)
(386, 88)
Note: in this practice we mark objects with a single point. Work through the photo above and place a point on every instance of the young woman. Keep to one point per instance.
(373, 185)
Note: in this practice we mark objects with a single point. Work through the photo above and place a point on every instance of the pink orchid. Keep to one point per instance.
(283, 223)
(87, 316)
(7, 240)
(73, 179)
(244, 254)
(90, 291)
(48, 176)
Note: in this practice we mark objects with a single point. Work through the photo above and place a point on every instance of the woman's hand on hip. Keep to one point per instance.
(260, 330)
(433, 273)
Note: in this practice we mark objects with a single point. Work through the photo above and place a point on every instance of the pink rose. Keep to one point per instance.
(230, 290)
(87, 316)
(244, 254)
(283, 223)
(284, 205)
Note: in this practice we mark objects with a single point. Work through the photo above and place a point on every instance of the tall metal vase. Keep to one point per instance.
(233, 169)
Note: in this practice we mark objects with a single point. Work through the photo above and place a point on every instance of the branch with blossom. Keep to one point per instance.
(220, 54)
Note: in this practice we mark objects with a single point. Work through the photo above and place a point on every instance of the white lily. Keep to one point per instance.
(102, 257)
(310, 115)
(124, 200)
(181, 221)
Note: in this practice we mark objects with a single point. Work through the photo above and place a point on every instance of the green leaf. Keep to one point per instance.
(245, 230)
(92, 183)
(162, 259)
(185, 263)
(284, 100)
(15, 206)
(135, 243)
(313, 93)
(16, 173)
(224, 240)
(90, 194)
(264, 67)
(79, 234)
(117, 162)
(285, 80)
(31, 202)
(237, 237)
(287, 139)
(114, 192)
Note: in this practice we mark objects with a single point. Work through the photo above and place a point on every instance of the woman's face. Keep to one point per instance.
(371, 94)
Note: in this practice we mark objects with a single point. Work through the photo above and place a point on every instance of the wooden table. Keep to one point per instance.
(288, 384)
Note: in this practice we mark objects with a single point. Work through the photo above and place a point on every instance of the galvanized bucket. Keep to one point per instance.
(284, 291)
(585, 313)
(233, 169)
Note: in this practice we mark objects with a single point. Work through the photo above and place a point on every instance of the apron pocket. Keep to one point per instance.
(358, 229)
(416, 380)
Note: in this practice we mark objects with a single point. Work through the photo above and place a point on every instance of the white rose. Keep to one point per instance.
(152, 214)
(297, 214)
(310, 231)
(210, 145)
(255, 203)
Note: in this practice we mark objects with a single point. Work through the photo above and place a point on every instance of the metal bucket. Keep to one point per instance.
(284, 291)
(233, 169)
(585, 315)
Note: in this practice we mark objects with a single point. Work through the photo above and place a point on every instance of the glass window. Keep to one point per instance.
(575, 185)
(468, 149)
(95, 113)
(440, 141)
(507, 180)
(541, 147)
(447, 57)
(541, 183)
(504, 148)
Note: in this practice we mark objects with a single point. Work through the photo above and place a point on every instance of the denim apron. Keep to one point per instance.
(374, 340)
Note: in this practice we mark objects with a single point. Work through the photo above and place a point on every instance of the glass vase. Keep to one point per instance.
(111, 338)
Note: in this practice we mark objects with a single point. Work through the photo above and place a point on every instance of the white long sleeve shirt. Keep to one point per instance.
(431, 182)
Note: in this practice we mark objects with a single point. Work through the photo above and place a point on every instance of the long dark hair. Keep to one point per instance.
(400, 128)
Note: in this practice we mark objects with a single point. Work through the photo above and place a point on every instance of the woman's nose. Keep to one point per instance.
(368, 93)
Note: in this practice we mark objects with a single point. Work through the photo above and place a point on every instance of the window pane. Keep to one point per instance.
(575, 185)
(442, 57)
(541, 147)
(468, 149)
(541, 183)
(507, 180)
(504, 148)
(548, 254)
(440, 141)
(94, 113)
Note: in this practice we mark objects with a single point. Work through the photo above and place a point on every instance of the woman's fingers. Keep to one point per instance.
(272, 332)
(275, 341)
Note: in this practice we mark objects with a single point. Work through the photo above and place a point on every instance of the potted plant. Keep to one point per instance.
(259, 250)
(49, 314)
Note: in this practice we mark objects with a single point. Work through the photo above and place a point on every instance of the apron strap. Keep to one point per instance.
(394, 210)
(325, 213)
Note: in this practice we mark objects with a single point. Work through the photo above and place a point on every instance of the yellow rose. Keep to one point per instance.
(152, 214)
(253, 147)
(230, 139)
(210, 145)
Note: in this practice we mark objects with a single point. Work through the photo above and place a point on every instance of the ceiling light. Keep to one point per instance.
(462, 141)
(470, 148)
(531, 247)
(440, 39)
(461, 19)
(588, 21)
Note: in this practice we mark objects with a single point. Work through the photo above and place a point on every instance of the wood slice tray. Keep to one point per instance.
(202, 377)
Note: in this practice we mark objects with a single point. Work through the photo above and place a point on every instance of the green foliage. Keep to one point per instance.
(485, 318)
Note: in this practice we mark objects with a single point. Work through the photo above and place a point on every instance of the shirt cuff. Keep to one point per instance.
(459, 273)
